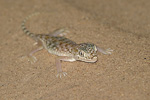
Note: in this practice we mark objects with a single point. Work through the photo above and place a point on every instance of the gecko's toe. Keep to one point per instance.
(108, 51)
(64, 31)
(61, 74)
(35, 43)
(60, 32)
(32, 59)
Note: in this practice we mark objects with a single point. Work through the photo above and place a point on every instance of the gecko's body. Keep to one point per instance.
(66, 49)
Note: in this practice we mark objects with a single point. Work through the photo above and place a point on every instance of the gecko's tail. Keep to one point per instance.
(23, 26)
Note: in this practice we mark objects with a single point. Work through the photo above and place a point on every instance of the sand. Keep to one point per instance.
(122, 25)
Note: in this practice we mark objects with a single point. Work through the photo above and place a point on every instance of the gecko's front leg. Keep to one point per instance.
(107, 51)
(58, 65)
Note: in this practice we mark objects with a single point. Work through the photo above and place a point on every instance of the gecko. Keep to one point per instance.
(66, 50)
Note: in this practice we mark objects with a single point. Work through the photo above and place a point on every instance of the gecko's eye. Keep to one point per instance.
(81, 54)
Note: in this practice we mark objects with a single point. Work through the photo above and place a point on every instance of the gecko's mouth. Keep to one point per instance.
(94, 59)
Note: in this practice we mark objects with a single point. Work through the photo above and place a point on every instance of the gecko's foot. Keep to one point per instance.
(108, 51)
(60, 74)
(32, 59)
(61, 32)
(35, 43)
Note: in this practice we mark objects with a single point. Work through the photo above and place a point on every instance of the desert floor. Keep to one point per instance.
(122, 25)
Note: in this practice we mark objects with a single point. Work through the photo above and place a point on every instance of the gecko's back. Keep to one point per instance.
(58, 45)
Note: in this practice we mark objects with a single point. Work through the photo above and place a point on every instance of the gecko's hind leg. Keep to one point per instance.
(60, 32)
(58, 65)
(32, 58)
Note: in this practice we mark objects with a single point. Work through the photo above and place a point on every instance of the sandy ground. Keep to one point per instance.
(123, 25)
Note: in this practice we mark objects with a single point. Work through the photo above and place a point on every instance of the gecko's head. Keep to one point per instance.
(87, 52)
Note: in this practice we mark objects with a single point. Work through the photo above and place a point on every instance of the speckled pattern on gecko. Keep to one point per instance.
(65, 49)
